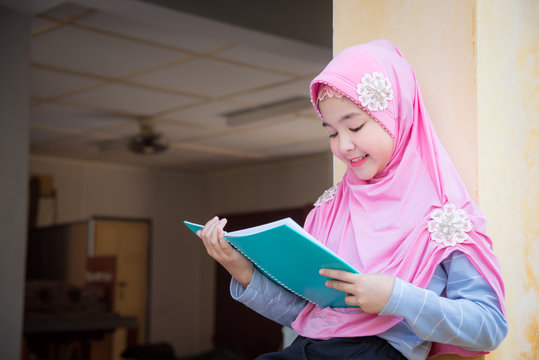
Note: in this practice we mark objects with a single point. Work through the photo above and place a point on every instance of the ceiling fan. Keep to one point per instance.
(147, 142)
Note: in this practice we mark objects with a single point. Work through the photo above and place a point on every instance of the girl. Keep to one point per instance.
(429, 283)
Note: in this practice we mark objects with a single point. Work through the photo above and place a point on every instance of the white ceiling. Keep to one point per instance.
(97, 66)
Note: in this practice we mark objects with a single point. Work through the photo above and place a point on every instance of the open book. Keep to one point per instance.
(288, 255)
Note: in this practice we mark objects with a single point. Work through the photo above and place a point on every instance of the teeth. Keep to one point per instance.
(359, 159)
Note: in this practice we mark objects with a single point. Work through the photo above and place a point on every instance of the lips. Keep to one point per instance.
(358, 161)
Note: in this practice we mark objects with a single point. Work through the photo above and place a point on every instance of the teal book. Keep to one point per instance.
(291, 257)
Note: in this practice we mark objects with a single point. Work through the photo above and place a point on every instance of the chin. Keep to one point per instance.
(361, 175)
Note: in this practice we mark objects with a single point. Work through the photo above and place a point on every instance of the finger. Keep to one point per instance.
(207, 226)
(341, 286)
(351, 300)
(213, 240)
(213, 219)
(223, 243)
(209, 237)
(339, 275)
(210, 222)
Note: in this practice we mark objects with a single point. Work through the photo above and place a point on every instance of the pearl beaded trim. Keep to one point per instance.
(328, 195)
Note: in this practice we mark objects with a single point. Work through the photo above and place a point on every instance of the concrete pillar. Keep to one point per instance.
(14, 115)
(508, 159)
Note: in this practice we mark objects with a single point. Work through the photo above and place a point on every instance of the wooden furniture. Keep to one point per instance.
(70, 336)
(65, 252)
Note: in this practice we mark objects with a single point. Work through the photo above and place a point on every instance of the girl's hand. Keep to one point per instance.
(218, 248)
(369, 291)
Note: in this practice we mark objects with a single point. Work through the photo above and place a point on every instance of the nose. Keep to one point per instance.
(346, 144)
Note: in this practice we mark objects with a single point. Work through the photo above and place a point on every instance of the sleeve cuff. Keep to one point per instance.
(406, 301)
(395, 298)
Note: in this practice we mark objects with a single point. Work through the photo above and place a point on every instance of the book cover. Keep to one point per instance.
(288, 255)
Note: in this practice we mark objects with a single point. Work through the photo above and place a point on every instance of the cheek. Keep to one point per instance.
(334, 146)
(387, 148)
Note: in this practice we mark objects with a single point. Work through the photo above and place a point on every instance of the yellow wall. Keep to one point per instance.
(508, 128)
(476, 62)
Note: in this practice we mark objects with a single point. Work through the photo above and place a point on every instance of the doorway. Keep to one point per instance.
(237, 326)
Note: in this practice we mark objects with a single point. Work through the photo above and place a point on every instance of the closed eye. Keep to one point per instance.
(357, 129)
(333, 135)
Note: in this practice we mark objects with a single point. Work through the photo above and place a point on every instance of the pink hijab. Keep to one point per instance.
(395, 223)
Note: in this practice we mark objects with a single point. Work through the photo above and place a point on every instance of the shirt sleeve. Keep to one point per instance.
(468, 315)
(268, 299)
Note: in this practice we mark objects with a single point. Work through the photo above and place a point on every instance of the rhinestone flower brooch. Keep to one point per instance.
(448, 225)
(375, 91)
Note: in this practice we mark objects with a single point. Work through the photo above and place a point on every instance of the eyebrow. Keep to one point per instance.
(343, 118)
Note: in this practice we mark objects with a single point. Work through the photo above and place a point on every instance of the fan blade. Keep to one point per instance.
(147, 144)
(112, 144)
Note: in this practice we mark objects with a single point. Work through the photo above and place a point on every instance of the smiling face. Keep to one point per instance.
(356, 138)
